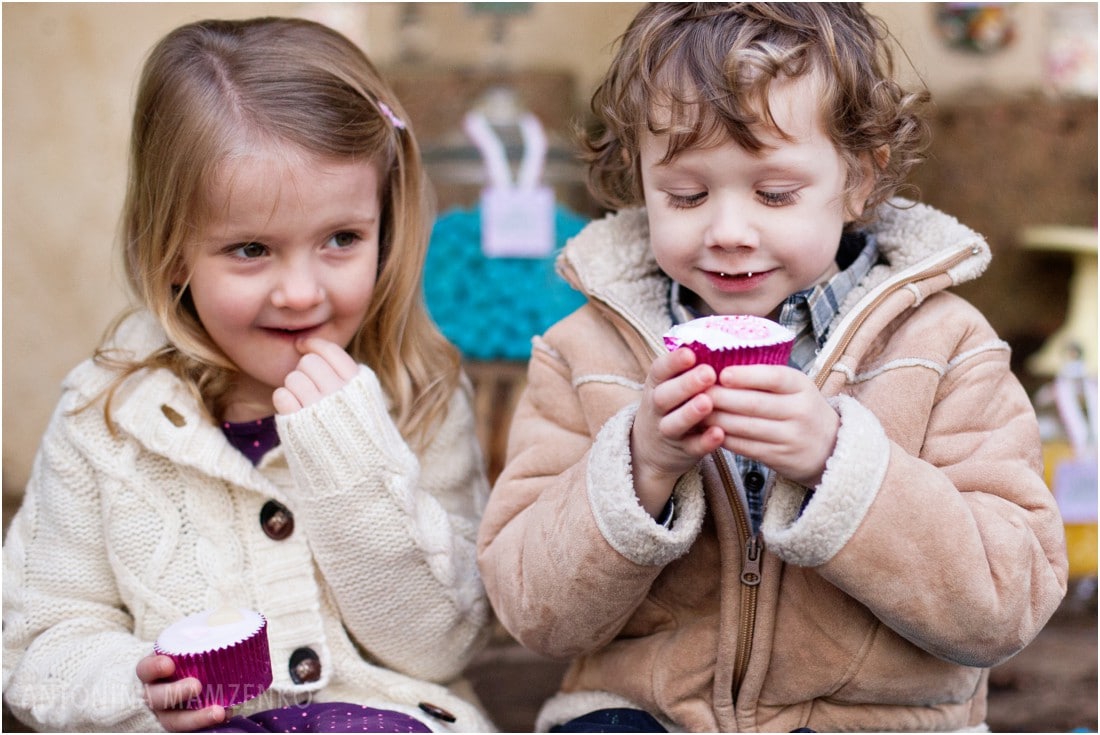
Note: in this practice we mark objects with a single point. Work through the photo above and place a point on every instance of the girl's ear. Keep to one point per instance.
(179, 274)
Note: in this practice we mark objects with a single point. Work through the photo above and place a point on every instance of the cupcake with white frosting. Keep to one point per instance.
(225, 649)
(738, 339)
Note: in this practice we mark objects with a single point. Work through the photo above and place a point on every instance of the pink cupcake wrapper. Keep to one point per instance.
(776, 354)
(230, 675)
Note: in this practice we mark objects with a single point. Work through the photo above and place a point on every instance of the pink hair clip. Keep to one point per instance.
(394, 119)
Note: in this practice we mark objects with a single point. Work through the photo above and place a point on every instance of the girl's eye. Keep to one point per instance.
(249, 250)
(343, 240)
(777, 198)
(686, 201)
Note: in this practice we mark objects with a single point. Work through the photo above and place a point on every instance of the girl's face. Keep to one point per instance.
(291, 251)
(744, 230)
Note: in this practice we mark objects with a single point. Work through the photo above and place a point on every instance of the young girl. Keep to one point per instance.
(843, 543)
(280, 428)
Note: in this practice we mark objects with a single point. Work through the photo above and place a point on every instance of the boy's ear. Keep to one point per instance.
(882, 156)
(872, 164)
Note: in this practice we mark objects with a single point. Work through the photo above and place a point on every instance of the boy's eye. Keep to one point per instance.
(248, 250)
(777, 198)
(685, 201)
(343, 239)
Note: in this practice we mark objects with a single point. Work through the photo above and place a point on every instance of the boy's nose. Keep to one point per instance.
(730, 228)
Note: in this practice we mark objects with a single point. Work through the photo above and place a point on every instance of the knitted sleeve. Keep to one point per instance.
(69, 654)
(394, 534)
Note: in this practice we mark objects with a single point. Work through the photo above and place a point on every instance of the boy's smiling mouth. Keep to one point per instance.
(737, 282)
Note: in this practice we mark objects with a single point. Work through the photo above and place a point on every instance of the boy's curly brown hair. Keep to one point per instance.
(700, 73)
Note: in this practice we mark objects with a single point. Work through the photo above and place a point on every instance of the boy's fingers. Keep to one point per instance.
(704, 443)
(774, 378)
(671, 393)
(672, 364)
(680, 422)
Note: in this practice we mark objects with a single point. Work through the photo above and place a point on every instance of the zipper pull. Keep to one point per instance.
(750, 567)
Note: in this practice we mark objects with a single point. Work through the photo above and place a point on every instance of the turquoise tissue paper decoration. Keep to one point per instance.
(491, 307)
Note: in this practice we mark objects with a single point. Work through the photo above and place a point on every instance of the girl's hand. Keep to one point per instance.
(666, 441)
(776, 415)
(163, 697)
(325, 368)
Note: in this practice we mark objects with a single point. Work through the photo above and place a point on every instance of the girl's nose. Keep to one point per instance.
(298, 289)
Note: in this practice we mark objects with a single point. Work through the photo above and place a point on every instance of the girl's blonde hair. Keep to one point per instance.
(700, 72)
(206, 87)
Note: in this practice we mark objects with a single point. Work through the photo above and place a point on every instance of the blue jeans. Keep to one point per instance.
(612, 720)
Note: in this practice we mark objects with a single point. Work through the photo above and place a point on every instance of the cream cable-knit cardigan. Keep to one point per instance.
(121, 535)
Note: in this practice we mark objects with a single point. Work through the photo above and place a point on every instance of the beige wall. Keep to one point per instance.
(68, 79)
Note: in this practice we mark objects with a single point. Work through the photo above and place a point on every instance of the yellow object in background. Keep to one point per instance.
(1081, 548)
(1081, 538)
(1080, 327)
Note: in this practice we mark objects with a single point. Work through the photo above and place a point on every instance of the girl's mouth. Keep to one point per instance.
(290, 333)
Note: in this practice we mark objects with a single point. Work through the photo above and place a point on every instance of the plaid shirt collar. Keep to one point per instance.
(810, 312)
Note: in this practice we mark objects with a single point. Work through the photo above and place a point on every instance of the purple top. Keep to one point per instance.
(253, 438)
(322, 717)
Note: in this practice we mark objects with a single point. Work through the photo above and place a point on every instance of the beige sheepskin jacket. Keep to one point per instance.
(930, 551)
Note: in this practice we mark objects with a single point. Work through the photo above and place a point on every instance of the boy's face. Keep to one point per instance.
(746, 230)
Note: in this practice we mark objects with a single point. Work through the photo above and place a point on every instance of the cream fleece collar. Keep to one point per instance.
(610, 260)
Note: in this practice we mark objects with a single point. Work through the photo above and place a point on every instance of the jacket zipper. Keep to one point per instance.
(751, 559)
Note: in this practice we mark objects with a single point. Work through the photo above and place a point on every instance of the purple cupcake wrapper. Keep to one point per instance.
(777, 354)
(230, 675)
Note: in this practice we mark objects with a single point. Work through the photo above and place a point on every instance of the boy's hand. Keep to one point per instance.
(776, 415)
(163, 697)
(325, 368)
(666, 440)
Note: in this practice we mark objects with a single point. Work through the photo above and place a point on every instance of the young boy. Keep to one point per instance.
(844, 543)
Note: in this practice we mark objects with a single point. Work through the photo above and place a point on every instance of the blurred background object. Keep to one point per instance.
(1070, 61)
(1076, 338)
(980, 27)
(1014, 148)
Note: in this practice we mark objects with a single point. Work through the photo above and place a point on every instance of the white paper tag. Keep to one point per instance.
(517, 222)
(1075, 489)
